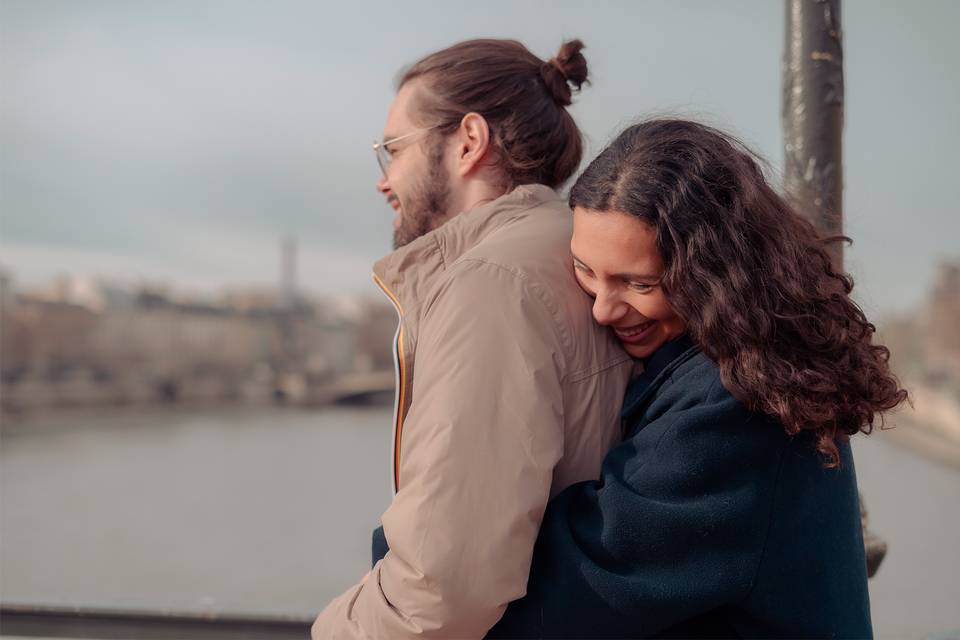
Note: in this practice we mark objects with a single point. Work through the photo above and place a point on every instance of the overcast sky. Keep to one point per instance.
(179, 141)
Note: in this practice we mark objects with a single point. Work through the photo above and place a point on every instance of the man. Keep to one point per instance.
(515, 393)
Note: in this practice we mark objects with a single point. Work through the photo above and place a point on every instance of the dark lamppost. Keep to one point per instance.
(812, 120)
(812, 114)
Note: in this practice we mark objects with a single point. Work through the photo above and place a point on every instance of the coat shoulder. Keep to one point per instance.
(694, 397)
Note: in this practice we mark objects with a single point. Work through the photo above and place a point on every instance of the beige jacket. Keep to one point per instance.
(508, 392)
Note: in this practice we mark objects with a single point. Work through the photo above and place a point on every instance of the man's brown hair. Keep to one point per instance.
(522, 98)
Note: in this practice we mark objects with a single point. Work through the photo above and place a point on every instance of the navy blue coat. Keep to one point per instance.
(708, 521)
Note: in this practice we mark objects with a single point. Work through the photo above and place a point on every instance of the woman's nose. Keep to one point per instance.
(608, 308)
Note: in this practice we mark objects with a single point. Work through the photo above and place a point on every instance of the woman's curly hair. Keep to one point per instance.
(751, 278)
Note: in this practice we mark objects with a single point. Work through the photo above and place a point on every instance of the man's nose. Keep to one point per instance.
(382, 185)
(608, 308)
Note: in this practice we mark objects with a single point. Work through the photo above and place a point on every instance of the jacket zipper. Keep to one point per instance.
(398, 397)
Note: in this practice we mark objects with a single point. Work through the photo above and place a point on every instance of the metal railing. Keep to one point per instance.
(106, 624)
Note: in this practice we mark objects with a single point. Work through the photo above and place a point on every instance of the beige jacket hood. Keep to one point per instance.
(507, 393)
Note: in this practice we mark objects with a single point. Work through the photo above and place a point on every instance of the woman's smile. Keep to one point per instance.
(636, 333)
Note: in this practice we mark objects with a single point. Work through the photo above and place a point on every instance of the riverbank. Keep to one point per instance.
(927, 442)
(35, 402)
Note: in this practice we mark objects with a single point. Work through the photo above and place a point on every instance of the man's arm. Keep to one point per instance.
(479, 446)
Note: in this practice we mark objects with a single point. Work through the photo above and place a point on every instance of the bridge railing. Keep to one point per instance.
(106, 624)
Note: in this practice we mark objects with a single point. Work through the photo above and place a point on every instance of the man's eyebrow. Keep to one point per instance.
(625, 276)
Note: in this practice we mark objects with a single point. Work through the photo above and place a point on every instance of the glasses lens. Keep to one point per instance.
(383, 158)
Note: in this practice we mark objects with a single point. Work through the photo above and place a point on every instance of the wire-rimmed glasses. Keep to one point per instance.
(382, 151)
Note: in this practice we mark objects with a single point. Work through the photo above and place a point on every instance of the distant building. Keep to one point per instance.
(925, 355)
(6, 286)
(942, 339)
(90, 292)
(251, 299)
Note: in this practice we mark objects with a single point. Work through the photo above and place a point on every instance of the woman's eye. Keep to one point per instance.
(582, 269)
(640, 286)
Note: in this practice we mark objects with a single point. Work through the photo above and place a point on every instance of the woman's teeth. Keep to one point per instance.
(635, 331)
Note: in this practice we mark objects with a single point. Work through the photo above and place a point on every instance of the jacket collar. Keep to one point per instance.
(657, 368)
(410, 269)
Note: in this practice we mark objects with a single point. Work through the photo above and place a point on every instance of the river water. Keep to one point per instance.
(269, 511)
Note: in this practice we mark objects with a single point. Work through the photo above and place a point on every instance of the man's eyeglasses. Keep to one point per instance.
(381, 150)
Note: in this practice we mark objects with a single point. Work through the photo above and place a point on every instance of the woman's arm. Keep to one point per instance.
(675, 527)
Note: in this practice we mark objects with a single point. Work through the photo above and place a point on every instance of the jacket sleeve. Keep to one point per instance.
(674, 528)
(479, 446)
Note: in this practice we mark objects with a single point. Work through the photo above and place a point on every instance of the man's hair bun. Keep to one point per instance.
(565, 71)
(522, 98)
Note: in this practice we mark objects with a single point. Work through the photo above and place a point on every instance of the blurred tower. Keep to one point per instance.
(6, 307)
(288, 316)
(288, 273)
(6, 287)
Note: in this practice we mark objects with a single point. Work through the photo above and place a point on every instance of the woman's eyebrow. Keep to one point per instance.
(637, 276)
(623, 276)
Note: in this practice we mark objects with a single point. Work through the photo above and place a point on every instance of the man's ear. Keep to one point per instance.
(473, 143)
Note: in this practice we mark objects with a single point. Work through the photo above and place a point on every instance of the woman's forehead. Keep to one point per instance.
(615, 242)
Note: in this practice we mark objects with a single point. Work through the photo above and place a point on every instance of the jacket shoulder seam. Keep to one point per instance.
(543, 296)
(440, 251)
(590, 372)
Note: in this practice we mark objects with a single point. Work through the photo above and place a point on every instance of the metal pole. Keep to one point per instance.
(812, 114)
(812, 120)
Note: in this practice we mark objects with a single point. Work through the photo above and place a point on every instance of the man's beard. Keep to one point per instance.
(427, 205)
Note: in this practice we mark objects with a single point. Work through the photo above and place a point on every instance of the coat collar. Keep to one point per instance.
(409, 270)
(657, 368)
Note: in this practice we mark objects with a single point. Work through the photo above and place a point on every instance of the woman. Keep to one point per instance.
(731, 507)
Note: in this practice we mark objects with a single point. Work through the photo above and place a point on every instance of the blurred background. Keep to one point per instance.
(197, 383)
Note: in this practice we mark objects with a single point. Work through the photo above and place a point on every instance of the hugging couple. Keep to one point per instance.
(622, 415)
